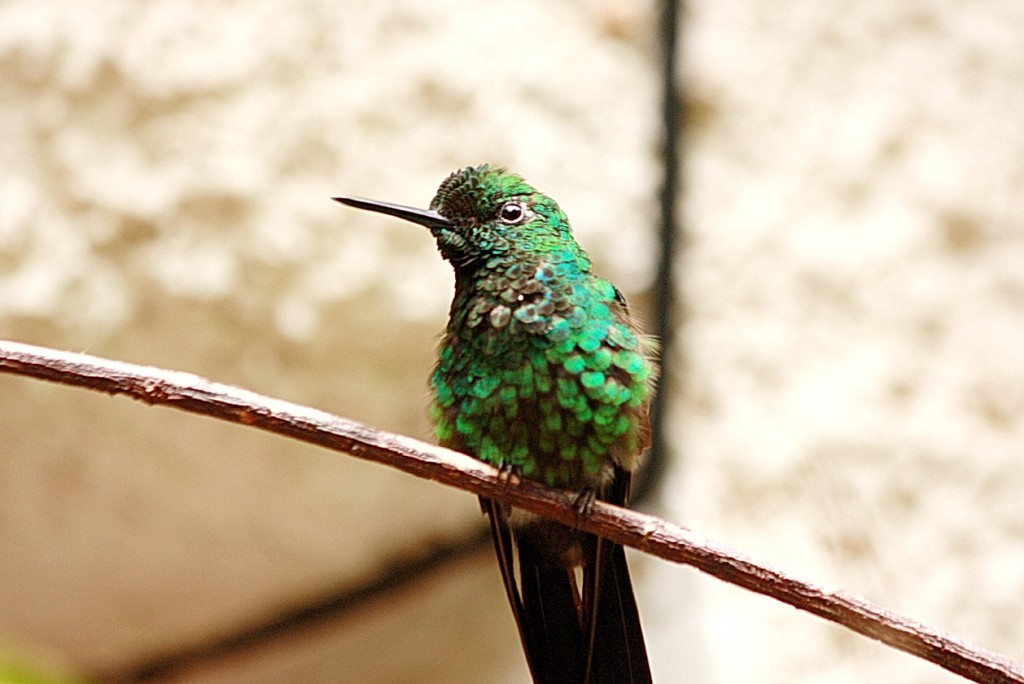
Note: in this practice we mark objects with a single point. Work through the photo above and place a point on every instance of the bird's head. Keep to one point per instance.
(482, 213)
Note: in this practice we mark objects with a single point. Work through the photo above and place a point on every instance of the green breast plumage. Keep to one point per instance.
(541, 370)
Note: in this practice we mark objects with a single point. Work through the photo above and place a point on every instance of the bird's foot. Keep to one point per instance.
(510, 474)
(584, 504)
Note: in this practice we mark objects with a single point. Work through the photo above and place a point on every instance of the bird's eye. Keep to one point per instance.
(512, 212)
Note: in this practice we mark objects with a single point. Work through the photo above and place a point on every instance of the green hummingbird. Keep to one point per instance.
(543, 373)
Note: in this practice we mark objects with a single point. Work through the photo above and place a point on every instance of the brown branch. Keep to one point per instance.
(644, 532)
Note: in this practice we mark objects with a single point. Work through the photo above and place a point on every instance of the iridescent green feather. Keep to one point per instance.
(541, 368)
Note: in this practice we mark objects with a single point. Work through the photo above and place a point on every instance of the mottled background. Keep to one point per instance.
(848, 395)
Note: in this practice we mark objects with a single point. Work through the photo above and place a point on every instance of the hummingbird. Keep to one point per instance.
(542, 372)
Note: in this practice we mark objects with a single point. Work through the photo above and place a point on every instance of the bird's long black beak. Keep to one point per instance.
(424, 217)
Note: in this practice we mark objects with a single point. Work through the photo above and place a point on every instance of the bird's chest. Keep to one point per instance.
(502, 315)
(526, 378)
(507, 310)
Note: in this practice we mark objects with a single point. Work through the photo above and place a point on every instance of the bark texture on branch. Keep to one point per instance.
(647, 533)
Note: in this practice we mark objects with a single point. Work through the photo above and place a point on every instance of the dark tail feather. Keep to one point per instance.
(566, 641)
(547, 610)
(502, 538)
(554, 638)
(617, 654)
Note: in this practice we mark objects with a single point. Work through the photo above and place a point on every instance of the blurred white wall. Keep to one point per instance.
(849, 401)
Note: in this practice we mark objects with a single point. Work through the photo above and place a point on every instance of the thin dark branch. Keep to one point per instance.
(644, 532)
(396, 574)
(670, 234)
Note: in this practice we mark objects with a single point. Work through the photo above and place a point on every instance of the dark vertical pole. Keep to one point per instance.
(669, 234)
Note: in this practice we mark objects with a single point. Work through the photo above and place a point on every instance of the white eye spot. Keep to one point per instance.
(512, 212)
